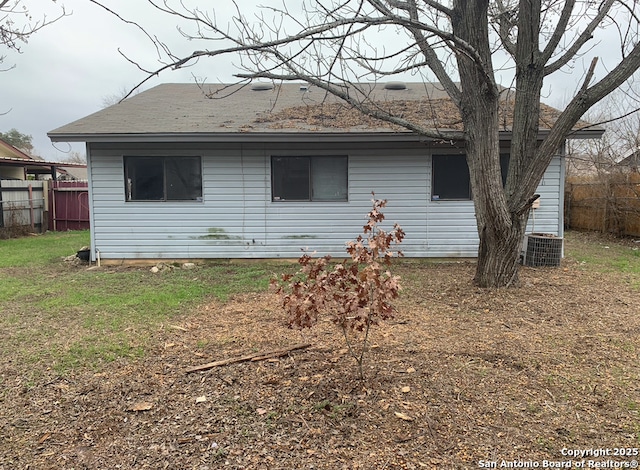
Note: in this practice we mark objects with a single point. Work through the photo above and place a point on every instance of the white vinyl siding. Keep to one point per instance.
(237, 218)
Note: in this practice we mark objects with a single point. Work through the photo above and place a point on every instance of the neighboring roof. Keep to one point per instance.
(76, 172)
(196, 111)
(631, 161)
(11, 156)
(9, 151)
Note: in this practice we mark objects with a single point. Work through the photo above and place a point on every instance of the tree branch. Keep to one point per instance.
(410, 4)
(431, 58)
(559, 31)
(585, 99)
(586, 35)
(505, 26)
(260, 356)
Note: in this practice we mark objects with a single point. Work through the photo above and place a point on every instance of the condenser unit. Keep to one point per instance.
(542, 249)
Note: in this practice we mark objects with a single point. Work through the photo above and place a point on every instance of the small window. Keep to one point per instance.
(163, 178)
(309, 178)
(450, 177)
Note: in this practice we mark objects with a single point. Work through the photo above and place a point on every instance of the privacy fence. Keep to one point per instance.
(38, 206)
(604, 203)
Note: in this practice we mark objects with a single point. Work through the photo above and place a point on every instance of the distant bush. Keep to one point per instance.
(13, 226)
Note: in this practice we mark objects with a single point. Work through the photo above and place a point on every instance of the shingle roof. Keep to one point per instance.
(174, 109)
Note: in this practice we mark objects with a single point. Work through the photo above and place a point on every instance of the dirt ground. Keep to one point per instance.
(461, 377)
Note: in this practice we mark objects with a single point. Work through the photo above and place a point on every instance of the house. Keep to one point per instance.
(631, 162)
(186, 171)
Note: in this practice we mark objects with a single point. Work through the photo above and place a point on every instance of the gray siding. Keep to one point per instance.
(237, 218)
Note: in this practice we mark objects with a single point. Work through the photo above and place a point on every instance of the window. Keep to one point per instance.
(163, 178)
(451, 176)
(309, 178)
(504, 167)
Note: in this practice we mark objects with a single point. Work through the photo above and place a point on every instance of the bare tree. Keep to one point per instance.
(115, 98)
(17, 25)
(76, 157)
(330, 44)
(619, 114)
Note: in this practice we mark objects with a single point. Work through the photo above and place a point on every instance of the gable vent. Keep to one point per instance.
(395, 86)
(261, 86)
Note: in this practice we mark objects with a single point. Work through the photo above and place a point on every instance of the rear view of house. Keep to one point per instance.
(187, 171)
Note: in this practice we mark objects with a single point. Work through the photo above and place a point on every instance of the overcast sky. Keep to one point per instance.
(67, 69)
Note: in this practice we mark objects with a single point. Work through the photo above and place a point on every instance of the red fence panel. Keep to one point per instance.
(68, 205)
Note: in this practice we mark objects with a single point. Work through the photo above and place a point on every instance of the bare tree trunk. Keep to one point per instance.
(499, 257)
(500, 231)
(500, 235)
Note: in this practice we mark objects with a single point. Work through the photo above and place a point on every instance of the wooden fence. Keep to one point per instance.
(604, 203)
(38, 206)
(22, 204)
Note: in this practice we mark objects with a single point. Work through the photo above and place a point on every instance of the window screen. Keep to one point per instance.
(309, 178)
(163, 178)
(450, 177)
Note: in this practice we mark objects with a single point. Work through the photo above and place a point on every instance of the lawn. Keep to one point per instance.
(93, 366)
(60, 316)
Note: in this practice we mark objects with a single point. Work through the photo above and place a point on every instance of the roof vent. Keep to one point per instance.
(261, 86)
(395, 86)
(304, 87)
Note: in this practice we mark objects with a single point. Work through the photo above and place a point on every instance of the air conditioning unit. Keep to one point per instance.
(542, 249)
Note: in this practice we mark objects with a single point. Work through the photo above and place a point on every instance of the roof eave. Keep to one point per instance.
(592, 133)
(243, 136)
(589, 133)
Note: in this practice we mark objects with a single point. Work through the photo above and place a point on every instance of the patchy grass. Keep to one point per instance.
(62, 316)
(65, 316)
(604, 253)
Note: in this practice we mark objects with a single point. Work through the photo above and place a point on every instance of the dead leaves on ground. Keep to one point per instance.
(552, 364)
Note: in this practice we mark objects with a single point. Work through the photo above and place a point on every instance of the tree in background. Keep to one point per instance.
(620, 116)
(115, 98)
(18, 140)
(16, 26)
(76, 157)
(461, 44)
(603, 185)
